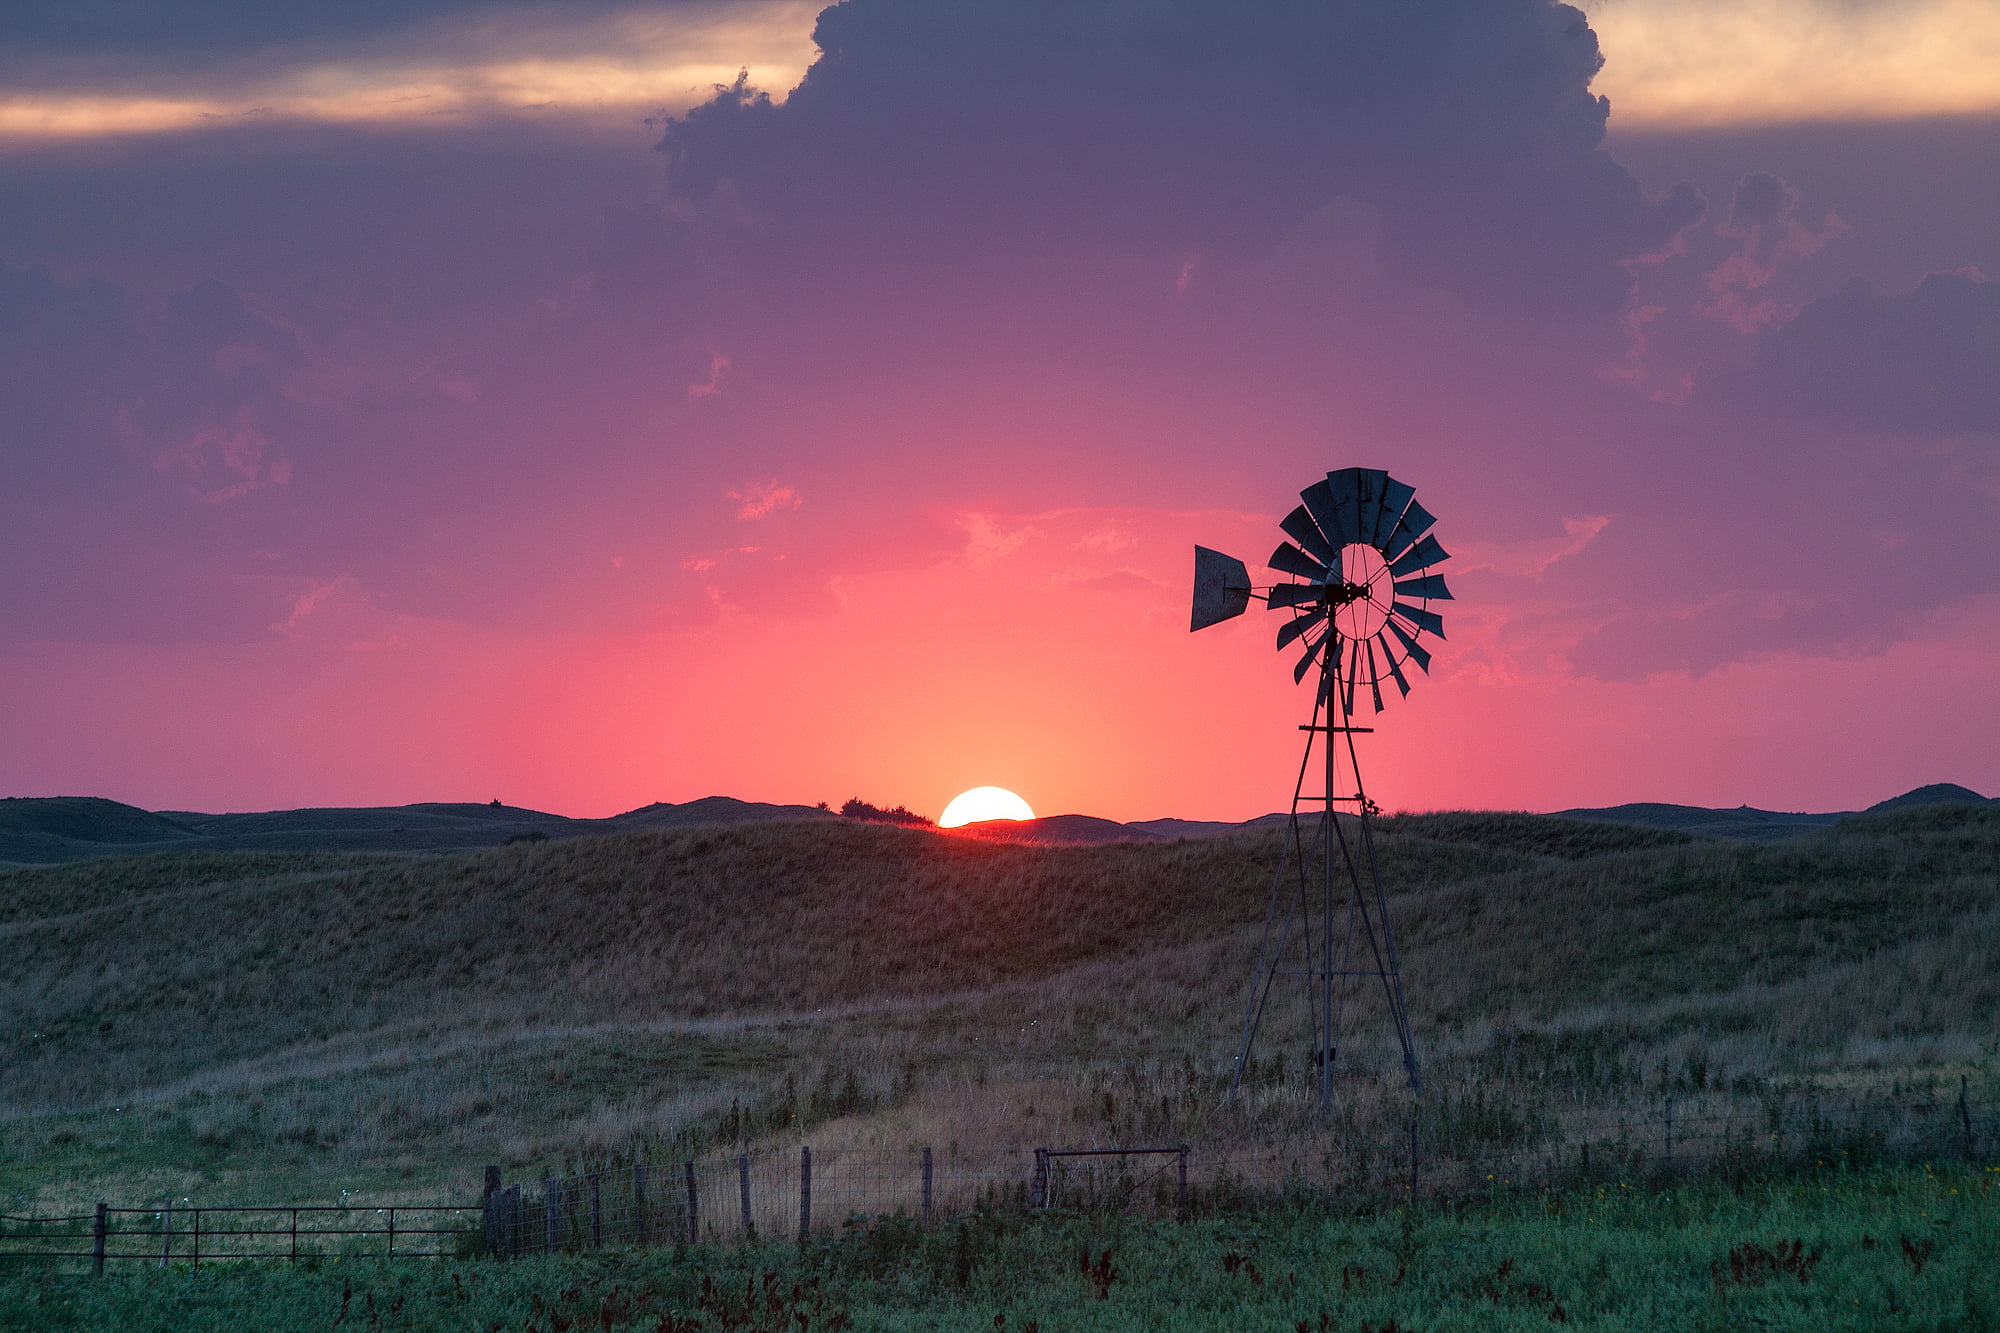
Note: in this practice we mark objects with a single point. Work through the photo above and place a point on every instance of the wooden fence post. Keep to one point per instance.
(1040, 1197)
(743, 1185)
(1181, 1190)
(596, 1210)
(642, 1228)
(97, 1243)
(927, 1183)
(491, 1210)
(805, 1192)
(551, 1215)
(694, 1208)
(166, 1232)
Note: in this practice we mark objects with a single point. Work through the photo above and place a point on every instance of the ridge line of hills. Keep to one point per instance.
(44, 830)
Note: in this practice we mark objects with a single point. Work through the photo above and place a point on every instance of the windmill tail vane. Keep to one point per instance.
(1359, 561)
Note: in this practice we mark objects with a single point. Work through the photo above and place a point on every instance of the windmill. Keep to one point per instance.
(1356, 602)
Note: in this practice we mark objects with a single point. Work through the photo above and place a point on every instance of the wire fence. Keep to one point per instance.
(1467, 1147)
(1445, 1148)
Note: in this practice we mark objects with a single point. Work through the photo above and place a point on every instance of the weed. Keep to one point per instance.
(1100, 1275)
(1504, 1289)
(1751, 1265)
(1234, 1263)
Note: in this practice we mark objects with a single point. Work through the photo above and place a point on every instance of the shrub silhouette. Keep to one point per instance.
(856, 808)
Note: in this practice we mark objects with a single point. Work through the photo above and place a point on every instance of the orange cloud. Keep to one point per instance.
(604, 73)
(1674, 63)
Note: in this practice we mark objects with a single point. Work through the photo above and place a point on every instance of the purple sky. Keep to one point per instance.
(451, 400)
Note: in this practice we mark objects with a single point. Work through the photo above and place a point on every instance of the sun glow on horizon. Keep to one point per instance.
(983, 803)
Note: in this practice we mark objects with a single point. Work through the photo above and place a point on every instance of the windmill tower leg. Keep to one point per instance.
(1349, 884)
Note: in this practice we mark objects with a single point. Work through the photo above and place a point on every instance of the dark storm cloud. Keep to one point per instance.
(1920, 361)
(65, 349)
(119, 433)
(928, 126)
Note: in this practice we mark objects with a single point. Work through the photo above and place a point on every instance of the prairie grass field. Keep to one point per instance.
(212, 1028)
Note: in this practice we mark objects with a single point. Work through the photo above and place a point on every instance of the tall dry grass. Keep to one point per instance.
(604, 998)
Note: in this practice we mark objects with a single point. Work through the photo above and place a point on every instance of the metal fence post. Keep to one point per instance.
(1181, 1189)
(166, 1232)
(195, 1237)
(392, 1235)
(694, 1208)
(642, 1224)
(1041, 1190)
(295, 1235)
(596, 1210)
(927, 1183)
(743, 1187)
(1670, 1133)
(805, 1192)
(551, 1215)
(97, 1243)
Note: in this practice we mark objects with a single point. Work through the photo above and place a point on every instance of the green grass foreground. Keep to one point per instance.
(1905, 1249)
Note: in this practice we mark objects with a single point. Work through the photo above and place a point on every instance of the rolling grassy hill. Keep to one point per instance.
(251, 1021)
(43, 830)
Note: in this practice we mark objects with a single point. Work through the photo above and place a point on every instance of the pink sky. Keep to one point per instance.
(856, 444)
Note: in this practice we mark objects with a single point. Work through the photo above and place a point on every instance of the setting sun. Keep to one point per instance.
(983, 803)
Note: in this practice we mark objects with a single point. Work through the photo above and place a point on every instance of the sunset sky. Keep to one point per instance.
(449, 400)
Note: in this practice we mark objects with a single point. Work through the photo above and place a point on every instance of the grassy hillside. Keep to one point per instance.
(231, 1022)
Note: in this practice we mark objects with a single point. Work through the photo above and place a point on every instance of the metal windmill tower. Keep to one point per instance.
(1357, 601)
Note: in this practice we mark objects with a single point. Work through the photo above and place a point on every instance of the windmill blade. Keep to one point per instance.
(1319, 504)
(1425, 553)
(1422, 619)
(1299, 526)
(1395, 498)
(1430, 586)
(1395, 669)
(1292, 560)
(1221, 588)
(1293, 594)
(1416, 521)
(1346, 485)
(1292, 629)
(1369, 510)
(1418, 654)
(1305, 663)
(1374, 680)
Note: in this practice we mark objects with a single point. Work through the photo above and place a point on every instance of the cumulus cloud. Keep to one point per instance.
(1763, 221)
(1208, 129)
